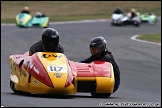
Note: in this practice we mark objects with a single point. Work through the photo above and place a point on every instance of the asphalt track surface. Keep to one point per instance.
(139, 63)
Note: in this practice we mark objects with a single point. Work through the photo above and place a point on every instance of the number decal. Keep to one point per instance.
(56, 69)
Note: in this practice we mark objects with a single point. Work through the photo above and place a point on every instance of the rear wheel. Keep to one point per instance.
(100, 95)
(136, 23)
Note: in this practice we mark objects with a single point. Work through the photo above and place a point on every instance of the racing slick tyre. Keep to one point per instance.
(16, 91)
(46, 26)
(12, 87)
(100, 95)
(152, 22)
(136, 23)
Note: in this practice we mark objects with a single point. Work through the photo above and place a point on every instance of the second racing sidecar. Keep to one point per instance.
(123, 19)
(149, 18)
(26, 20)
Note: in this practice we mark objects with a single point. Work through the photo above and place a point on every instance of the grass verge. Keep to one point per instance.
(75, 10)
(151, 37)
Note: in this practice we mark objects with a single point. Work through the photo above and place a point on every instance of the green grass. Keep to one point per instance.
(75, 10)
(151, 37)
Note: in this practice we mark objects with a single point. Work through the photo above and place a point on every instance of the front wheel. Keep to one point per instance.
(12, 86)
(152, 21)
(46, 26)
(100, 95)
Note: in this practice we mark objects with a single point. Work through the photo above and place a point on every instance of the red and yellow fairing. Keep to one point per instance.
(53, 73)
(44, 73)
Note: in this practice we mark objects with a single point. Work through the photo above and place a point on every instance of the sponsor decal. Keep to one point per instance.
(51, 55)
(36, 70)
(35, 82)
(31, 65)
(21, 20)
(23, 72)
(58, 75)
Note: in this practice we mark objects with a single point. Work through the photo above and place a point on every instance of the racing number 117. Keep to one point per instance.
(56, 68)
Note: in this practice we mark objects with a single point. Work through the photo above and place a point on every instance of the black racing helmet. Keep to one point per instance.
(98, 45)
(50, 39)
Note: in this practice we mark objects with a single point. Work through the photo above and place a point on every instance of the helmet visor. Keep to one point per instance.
(95, 51)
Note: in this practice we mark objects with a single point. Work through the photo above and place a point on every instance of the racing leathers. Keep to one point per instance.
(133, 14)
(37, 47)
(25, 11)
(107, 56)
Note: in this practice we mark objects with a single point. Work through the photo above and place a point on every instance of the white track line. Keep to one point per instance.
(135, 38)
(85, 21)
(65, 22)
